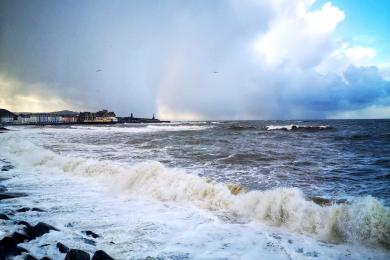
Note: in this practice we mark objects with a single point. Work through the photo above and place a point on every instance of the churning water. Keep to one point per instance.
(207, 190)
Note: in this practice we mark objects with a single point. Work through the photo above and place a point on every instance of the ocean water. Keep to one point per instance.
(206, 190)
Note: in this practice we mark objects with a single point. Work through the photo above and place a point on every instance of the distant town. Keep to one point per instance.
(69, 117)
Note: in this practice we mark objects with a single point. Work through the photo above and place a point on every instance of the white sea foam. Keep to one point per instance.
(142, 129)
(364, 220)
(297, 127)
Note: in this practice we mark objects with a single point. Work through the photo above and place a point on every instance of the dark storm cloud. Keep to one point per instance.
(191, 59)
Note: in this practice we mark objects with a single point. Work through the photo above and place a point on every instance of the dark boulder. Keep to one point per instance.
(23, 209)
(29, 257)
(45, 258)
(4, 217)
(38, 210)
(7, 168)
(90, 233)
(62, 248)
(25, 223)
(19, 238)
(75, 254)
(38, 230)
(8, 248)
(89, 242)
(101, 255)
(9, 195)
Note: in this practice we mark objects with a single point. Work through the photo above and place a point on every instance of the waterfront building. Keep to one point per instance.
(87, 117)
(104, 116)
(7, 117)
(23, 118)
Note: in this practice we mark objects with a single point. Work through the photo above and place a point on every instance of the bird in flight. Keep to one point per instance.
(98, 70)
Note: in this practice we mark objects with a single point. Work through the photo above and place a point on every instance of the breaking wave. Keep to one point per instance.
(299, 127)
(363, 220)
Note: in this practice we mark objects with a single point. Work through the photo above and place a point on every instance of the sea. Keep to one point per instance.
(204, 189)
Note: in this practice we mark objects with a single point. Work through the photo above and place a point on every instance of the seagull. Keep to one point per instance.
(215, 72)
(98, 70)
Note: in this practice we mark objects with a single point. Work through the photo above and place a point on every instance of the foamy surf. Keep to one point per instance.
(294, 127)
(141, 128)
(363, 220)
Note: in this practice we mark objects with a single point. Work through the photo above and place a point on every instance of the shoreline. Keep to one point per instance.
(24, 232)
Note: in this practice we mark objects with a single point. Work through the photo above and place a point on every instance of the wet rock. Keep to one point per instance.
(8, 248)
(19, 238)
(101, 255)
(9, 195)
(75, 254)
(38, 210)
(3, 188)
(90, 233)
(45, 258)
(23, 209)
(7, 168)
(38, 230)
(29, 257)
(25, 223)
(89, 242)
(4, 217)
(62, 248)
(44, 245)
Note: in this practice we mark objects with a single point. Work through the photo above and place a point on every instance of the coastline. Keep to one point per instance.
(20, 231)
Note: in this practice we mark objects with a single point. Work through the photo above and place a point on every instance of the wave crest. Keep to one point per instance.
(363, 220)
(299, 127)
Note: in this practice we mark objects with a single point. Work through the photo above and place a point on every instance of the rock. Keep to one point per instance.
(8, 248)
(38, 210)
(62, 248)
(101, 255)
(25, 223)
(4, 217)
(29, 257)
(44, 245)
(3, 188)
(29, 209)
(23, 209)
(18, 237)
(89, 242)
(6, 168)
(38, 230)
(45, 258)
(9, 195)
(90, 233)
(75, 254)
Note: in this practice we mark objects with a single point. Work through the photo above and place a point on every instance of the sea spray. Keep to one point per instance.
(363, 220)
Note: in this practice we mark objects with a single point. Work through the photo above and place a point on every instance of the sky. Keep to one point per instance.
(197, 60)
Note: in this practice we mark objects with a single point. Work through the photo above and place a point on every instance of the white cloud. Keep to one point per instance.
(18, 96)
(298, 36)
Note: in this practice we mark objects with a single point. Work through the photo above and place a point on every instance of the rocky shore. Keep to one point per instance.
(25, 232)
